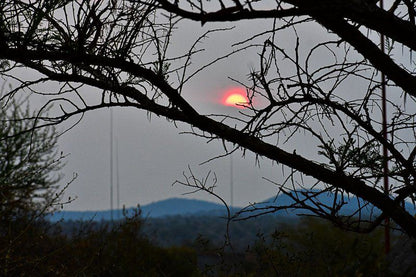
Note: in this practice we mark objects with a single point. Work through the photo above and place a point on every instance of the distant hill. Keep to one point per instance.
(351, 205)
(182, 206)
(168, 207)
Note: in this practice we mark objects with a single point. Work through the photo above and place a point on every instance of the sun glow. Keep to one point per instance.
(235, 97)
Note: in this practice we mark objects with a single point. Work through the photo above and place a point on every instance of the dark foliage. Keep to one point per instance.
(29, 163)
(40, 249)
(264, 246)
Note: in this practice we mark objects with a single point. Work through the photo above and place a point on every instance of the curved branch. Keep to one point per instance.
(331, 15)
(360, 12)
(307, 167)
(229, 14)
(27, 56)
(370, 51)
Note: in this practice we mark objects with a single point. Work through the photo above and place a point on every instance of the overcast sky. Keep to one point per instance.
(152, 154)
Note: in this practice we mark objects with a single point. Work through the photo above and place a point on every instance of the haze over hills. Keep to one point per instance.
(168, 207)
(188, 207)
(326, 199)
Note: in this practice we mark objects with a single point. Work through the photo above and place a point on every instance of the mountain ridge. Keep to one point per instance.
(162, 208)
(187, 207)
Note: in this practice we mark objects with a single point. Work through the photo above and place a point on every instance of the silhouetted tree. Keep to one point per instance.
(327, 93)
(29, 164)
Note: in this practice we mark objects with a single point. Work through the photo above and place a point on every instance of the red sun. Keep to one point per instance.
(235, 97)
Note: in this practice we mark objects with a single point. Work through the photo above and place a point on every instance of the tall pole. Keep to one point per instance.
(111, 164)
(231, 181)
(385, 157)
(117, 182)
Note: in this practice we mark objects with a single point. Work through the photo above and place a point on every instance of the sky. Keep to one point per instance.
(153, 154)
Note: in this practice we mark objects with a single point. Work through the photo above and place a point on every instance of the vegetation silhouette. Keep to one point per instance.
(326, 92)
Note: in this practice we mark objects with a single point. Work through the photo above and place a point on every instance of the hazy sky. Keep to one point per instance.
(151, 157)
(152, 154)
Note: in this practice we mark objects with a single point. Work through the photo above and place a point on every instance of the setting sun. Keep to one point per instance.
(235, 97)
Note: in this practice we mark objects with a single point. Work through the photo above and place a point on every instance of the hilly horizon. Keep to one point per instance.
(187, 207)
(162, 208)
